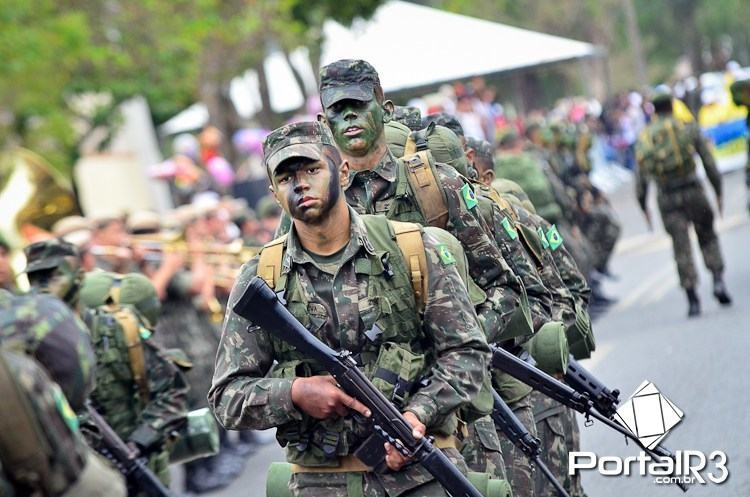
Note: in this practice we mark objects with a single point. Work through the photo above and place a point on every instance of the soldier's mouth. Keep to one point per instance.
(353, 131)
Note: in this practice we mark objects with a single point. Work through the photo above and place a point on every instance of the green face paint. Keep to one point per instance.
(356, 125)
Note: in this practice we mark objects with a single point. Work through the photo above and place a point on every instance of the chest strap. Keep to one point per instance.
(409, 240)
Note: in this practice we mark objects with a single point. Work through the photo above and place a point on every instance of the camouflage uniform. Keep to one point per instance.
(69, 469)
(43, 327)
(146, 412)
(386, 190)
(339, 298)
(665, 153)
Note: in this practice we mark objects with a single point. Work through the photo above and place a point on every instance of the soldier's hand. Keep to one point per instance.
(321, 398)
(393, 458)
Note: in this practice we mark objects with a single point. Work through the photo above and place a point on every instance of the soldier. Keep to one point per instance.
(141, 392)
(344, 276)
(41, 448)
(356, 111)
(7, 278)
(664, 152)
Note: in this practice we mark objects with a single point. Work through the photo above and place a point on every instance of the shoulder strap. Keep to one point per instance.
(410, 147)
(409, 240)
(24, 450)
(269, 263)
(130, 329)
(427, 191)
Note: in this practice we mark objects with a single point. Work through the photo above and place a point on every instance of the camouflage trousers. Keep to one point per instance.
(602, 229)
(414, 482)
(679, 210)
(517, 466)
(558, 433)
(481, 448)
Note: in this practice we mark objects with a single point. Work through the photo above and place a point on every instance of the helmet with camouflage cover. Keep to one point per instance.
(410, 117)
(447, 120)
(133, 289)
(54, 267)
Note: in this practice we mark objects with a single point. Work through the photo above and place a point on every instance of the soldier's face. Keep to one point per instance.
(307, 190)
(357, 125)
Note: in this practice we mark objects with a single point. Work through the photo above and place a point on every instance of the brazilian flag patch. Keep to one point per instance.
(145, 333)
(64, 409)
(554, 238)
(470, 198)
(542, 237)
(446, 257)
(509, 228)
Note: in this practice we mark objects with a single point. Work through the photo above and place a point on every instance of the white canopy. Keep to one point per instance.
(410, 46)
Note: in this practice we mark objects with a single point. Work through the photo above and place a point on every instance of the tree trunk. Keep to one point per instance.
(266, 115)
(634, 33)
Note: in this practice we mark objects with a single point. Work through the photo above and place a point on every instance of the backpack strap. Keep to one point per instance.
(410, 147)
(427, 190)
(131, 329)
(25, 452)
(269, 263)
(409, 240)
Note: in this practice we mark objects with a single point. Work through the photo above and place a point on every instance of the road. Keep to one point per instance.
(699, 364)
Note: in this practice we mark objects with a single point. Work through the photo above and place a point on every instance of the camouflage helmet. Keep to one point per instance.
(54, 266)
(348, 79)
(133, 289)
(302, 139)
(408, 116)
(445, 119)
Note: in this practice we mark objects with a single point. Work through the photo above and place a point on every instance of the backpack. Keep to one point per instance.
(667, 146)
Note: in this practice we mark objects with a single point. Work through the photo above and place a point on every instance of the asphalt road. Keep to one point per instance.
(699, 364)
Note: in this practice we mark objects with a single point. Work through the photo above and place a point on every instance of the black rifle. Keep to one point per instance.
(517, 433)
(139, 477)
(564, 394)
(260, 305)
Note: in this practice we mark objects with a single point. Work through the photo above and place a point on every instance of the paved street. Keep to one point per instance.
(700, 364)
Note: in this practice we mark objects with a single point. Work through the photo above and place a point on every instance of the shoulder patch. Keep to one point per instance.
(470, 198)
(554, 238)
(446, 256)
(542, 237)
(509, 228)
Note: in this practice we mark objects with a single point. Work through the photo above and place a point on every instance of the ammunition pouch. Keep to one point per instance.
(549, 348)
(519, 327)
(580, 335)
(198, 438)
(396, 372)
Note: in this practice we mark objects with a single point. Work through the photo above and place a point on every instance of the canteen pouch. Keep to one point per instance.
(549, 348)
(198, 438)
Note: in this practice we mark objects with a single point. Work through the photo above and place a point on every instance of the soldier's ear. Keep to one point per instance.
(470, 154)
(488, 177)
(387, 111)
(344, 174)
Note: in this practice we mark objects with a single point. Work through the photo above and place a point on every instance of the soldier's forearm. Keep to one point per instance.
(253, 404)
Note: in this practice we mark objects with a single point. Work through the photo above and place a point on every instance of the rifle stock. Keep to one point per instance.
(261, 306)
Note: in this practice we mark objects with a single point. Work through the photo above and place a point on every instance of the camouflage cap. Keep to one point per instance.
(303, 139)
(408, 116)
(347, 78)
(482, 148)
(48, 254)
(445, 119)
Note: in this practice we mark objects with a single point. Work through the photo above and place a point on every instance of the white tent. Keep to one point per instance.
(410, 46)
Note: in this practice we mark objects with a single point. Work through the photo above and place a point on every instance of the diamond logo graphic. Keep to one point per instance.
(649, 415)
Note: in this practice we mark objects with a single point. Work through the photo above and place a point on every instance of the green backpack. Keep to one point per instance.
(526, 171)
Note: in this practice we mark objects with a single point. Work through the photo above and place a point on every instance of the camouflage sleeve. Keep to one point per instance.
(487, 266)
(167, 406)
(285, 223)
(709, 164)
(460, 349)
(241, 396)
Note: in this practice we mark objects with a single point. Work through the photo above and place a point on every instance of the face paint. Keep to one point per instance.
(307, 190)
(356, 125)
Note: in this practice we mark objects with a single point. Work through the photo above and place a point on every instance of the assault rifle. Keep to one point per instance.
(139, 477)
(517, 433)
(564, 394)
(260, 305)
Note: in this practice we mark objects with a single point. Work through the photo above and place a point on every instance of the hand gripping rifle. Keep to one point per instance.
(564, 394)
(260, 305)
(139, 477)
(517, 433)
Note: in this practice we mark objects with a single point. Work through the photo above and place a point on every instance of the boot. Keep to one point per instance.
(720, 292)
(694, 305)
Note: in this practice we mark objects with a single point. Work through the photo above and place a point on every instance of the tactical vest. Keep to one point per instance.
(666, 149)
(396, 354)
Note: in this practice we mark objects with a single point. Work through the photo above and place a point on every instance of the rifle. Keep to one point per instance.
(127, 461)
(507, 421)
(260, 305)
(564, 394)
